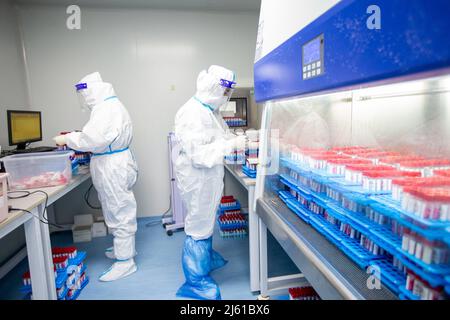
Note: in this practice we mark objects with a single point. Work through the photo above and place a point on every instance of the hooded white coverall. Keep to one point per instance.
(108, 135)
(202, 135)
(204, 140)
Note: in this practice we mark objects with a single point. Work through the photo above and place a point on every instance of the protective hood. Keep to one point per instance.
(213, 85)
(93, 91)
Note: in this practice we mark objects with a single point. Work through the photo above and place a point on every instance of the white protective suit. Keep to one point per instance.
(203, 137)
(108, 135)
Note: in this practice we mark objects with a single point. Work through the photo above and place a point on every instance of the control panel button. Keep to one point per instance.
(319, 71)
(318, 64)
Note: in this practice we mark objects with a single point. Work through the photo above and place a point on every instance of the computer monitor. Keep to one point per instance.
(24, 127)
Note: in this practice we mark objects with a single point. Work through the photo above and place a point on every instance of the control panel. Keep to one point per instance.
(312, 58)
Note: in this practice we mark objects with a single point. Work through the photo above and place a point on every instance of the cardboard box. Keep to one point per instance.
(82, 228)
(101, 218)
(99, 229)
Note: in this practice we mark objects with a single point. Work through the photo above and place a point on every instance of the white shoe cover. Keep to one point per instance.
(109, 253)
(118, 270)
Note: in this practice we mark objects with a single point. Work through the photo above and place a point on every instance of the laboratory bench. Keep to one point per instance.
(253, 223)
(258, 269)
(332, 274)
(37, 234)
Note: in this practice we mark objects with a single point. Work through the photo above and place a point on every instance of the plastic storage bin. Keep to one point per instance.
(3, 197)
(37, 170)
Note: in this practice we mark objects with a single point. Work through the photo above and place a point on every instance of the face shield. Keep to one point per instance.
(228, 89)
(81, 94)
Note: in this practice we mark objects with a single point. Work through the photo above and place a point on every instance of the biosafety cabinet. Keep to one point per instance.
(354, 180)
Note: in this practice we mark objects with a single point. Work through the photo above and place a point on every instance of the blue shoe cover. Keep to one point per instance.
(217, 261)
(196, 261)
(206, 289)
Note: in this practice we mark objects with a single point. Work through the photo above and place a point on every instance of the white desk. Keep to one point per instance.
(37, 234)
(253, 224)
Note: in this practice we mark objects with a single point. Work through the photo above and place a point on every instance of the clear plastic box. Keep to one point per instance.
(3, 197)
(38, 170)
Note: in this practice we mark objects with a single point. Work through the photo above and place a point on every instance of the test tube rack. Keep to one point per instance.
(383, 237)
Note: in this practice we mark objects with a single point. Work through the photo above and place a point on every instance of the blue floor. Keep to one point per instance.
(159, 272)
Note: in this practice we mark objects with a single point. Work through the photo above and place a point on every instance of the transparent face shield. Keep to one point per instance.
(229, 87)
(81, 89)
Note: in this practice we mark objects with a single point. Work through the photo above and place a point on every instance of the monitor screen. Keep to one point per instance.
(24, 126)
(311, 51)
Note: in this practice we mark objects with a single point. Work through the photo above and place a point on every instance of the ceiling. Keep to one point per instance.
(207, 5)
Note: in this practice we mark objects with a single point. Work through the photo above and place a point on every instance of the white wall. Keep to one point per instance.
(13, 95)
(279, 20)
(152, 57)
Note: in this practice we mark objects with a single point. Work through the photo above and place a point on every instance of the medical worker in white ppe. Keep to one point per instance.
(204, 139)
(108, 135)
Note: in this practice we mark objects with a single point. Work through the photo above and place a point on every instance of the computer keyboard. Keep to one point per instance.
(32, 150)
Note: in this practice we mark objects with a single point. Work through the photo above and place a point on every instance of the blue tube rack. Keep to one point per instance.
(231, 208)
(383, 203)
(389, 275)
(395, 242)
(77, 293)
(396, 208)
(293, 204)
(407, 295)
(433, 280)
(231, 226)
(81, 255)
(349, 246)
(379, 234)
(291, 183)
(61, 276)
(249, 172)
(447, 287)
